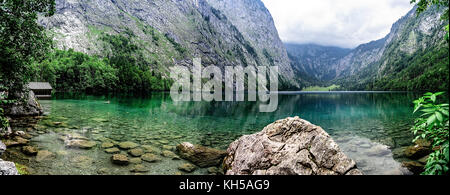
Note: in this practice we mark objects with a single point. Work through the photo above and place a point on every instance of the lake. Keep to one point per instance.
(359, 122)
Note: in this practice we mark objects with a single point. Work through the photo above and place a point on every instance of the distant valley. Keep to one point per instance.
(412, 57)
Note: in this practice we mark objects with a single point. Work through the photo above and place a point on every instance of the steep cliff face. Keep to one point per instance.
(256, 24)
(172, 32)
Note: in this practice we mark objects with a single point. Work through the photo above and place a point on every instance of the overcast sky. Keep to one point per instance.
(342, 23)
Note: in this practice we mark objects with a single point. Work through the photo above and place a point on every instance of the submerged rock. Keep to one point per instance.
(107, 145)
(120, 159)
(139, 168)
(215, 171)
(414, 167)
(44, 155)
(200, 155)
(16, 141)
(170, 154)
(82, 144)
(137, 152)
(135, 160)
(2, 147)
(187, 167)
(112, 150)
(150, 158)
(8, 168)
(291, 146)
(128, 145)
(417, 151)
(30, 150)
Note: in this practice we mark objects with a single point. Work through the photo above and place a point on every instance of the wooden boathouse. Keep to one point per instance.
(42, 90)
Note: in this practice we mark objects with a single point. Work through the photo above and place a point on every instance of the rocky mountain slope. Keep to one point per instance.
(173, 32)
(403, 60)
(315, 59)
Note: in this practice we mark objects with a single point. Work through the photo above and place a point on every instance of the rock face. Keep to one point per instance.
(222, 33)
(8, 168)
(290, 146)
(30, 108)
(200, 155)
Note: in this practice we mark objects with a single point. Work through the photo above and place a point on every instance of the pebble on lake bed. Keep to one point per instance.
(139, 168)
(150, 158)
(112, 150)
(120, 159)
(187, 167)
(128, 145)
(30, 150)
(137, 152)
(107, 145)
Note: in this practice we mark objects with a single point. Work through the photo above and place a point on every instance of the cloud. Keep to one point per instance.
(342, 23)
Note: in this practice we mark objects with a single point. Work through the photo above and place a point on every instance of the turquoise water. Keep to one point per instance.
(361, 123)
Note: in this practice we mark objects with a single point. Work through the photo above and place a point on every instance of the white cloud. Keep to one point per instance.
(343, 23)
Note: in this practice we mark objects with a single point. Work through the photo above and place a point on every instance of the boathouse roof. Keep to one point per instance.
(39, 85)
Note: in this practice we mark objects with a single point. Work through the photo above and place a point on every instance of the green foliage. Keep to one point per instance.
(71, 71)
(433, 125)
(133, 69)
(426, 70)
(4, 123)
(22, 40)
(22, 169)
(318, 88)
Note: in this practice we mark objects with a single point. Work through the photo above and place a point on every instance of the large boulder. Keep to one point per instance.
(291, 146)
(8, 168)
(200, 155)
(30, 107)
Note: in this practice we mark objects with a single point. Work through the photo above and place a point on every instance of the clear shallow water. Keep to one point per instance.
(367, 127)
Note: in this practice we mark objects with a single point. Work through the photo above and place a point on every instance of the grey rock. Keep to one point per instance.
(187, 167)
(291, 146)
(200, 155)
(8, 168)
(2, 147)
(128, 145)
(44, 155)
(120, 159)
(30, 107)
(30, 150)
(150, 158)
(82, 144)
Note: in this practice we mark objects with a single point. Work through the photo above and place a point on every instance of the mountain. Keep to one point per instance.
(173, 32)
(315, 60)
(413, 56)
